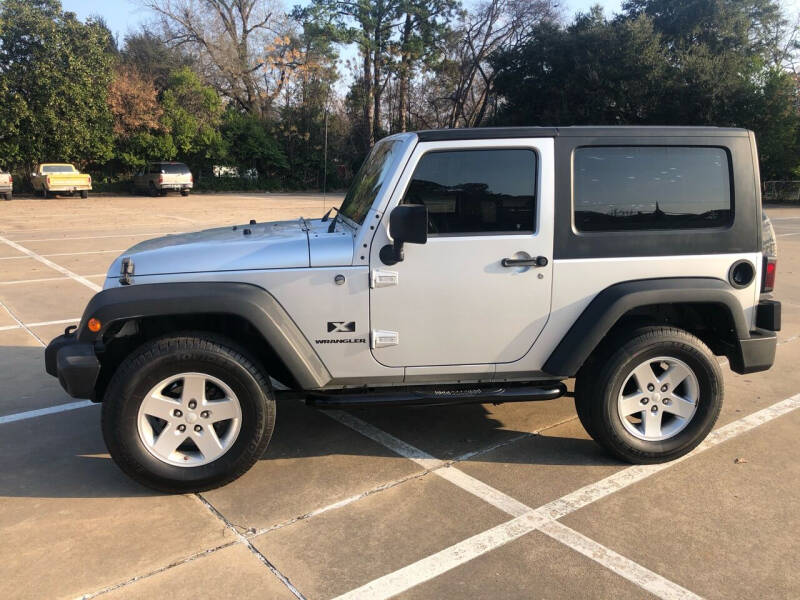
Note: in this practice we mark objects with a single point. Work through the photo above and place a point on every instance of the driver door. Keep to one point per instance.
(454, 300)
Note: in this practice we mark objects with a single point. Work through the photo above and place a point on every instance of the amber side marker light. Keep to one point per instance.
(94, 325)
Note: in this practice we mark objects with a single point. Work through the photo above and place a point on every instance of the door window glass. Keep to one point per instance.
(476, 191)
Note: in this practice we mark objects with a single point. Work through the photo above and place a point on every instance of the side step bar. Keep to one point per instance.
(436, 396)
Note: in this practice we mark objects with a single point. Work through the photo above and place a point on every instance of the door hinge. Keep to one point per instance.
(380, 278)
(381, 339)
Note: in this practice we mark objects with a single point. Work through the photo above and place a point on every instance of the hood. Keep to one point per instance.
(277, 245)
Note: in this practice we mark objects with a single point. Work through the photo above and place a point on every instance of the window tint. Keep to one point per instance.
(58, 169)
(476, 191)
(647, 187)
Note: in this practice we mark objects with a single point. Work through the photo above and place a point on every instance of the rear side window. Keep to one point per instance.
(476, 191)
(619, 188)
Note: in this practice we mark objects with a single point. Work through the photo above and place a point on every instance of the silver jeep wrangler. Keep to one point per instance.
(464, 265)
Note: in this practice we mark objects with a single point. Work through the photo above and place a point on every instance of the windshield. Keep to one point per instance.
(58, 169)
(369, 180)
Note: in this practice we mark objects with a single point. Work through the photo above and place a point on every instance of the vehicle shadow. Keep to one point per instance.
(62, 455)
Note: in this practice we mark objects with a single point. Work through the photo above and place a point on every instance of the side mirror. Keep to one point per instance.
(408, 223)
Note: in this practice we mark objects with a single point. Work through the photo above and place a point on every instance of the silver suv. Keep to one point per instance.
(464, 265)
(162, 177)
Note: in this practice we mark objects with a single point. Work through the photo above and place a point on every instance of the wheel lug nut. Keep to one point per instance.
(650, 387)
(181, 428)
(664, 387)
(198, 429)
(192, 404)
(667, 401)
(177, 413)
(205, 414)
(645, 400)
(654, 409)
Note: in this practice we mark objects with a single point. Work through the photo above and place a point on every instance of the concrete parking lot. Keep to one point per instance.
(511, 501)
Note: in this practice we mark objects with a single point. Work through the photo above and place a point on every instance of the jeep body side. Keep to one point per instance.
(464, 265)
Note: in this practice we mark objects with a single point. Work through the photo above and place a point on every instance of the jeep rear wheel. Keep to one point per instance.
(188, 413)
(654, 399)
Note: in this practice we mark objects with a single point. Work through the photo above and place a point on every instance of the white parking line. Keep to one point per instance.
(19, 324)
(44, 279)
(100, 237)
(40, 412)
(39, 324)
(641, 576)
(52, 265)
(461, 553)
(65, 254)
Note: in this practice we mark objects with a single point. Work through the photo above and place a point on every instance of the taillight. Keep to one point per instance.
(48, 180)
(90, 180)
(191, 178)
(768, 280)
(160, 179)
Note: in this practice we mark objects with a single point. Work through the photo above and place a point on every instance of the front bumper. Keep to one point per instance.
(74, 363)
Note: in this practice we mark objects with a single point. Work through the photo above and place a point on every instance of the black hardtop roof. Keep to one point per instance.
(489, 133)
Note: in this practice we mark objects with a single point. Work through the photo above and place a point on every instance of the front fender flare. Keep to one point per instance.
(250, 302)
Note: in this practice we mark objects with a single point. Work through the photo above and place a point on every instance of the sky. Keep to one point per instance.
(123, 16)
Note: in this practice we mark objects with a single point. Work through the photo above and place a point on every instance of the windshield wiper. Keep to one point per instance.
(328, 214)
(332, 226)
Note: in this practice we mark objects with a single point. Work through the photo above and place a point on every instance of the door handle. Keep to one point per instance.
(537, 261)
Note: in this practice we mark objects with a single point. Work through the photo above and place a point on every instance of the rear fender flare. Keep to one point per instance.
(615, 301)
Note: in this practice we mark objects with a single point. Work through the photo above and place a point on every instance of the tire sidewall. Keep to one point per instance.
(123, 408)
(708, 404)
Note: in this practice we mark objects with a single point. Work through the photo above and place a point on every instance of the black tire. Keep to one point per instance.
(152, 189)
(599, 384)
(7, 196)
(184, 192)
(161, 358)
(84, 194)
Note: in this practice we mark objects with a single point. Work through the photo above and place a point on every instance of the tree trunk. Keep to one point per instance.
(376, 84)
(368, 98)
(405, 74)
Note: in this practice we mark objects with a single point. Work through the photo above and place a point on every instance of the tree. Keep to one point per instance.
(425, 26)
(242, 46)
(55, 72)
(149, 56)
(662, 62)
(139, 133)
(192, 116)
(250, 145)
(369, 25)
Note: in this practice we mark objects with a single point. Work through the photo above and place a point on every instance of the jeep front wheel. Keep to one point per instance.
(188, 413)
(654, 399)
